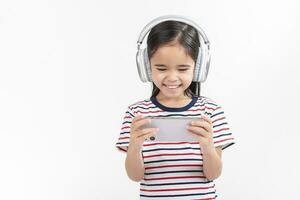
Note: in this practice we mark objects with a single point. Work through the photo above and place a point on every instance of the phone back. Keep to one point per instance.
(172, 129)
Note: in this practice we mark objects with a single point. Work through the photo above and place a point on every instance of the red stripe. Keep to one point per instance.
(122, 149)
(194, 110)
(147, 104)
(171, 154)
(158, 143)
(218, 119)
(122, 138)
(217, 108)
(222, 129)
(173, 177)
(140, 103)
(164, 166)
(224, 140)
(177, 189)
(201, 109)
(124, 127)
(156, 111)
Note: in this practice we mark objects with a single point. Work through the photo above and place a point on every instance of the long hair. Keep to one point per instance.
(174, 31)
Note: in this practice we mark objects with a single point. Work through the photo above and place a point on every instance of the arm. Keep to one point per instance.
(212, 163)
(134, 164)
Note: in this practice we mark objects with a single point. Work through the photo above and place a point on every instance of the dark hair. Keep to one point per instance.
(174, 31)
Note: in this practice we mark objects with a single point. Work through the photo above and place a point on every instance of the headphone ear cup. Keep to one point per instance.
(206, 64)
(141, 65)
(198, 65)
(147, 65)
(202, 65)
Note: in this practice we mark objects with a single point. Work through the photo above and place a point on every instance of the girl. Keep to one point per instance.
(175, 170)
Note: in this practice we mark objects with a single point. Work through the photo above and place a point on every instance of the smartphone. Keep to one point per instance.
(171, 129)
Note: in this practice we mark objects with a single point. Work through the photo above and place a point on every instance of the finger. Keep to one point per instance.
(196, 135)
(146, 131)
(203, 124)
(197, 130)
(137, 118)
(137, 125)
(207, 118)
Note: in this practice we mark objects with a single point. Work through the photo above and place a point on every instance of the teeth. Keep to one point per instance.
(172, 86)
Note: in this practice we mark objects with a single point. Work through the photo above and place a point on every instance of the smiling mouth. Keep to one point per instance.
(172, 86)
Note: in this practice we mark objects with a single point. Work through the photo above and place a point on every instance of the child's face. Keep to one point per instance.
(172, 70)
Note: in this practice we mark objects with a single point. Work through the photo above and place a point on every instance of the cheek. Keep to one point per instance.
(189, 76)
(156, 77)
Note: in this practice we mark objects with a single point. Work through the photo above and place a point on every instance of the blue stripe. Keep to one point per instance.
(212, 104)
(203, 104)
(167, 172)
(219, 124)
(144, 108)
(177, 195)
(158, 149)
(227, 145)
(180, 183)
(216, 114)
(156, 161)
(179, 115)
(127, 112)
(122, 143)
(198, 104)
(170, 109)
(122, 133)
(207, 114)
(226, 134)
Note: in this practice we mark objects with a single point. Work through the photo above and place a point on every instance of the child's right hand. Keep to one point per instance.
(138, 135)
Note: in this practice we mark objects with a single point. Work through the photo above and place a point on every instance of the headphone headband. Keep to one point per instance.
(158, 20)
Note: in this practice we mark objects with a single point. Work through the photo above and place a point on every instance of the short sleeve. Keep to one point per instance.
(222, 135)
(124, 136)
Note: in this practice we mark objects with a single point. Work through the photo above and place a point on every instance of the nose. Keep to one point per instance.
(172, 77)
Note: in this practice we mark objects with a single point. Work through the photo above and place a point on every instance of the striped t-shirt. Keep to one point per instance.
(174, 170)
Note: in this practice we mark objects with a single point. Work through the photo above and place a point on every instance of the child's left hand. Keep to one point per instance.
(202, 129)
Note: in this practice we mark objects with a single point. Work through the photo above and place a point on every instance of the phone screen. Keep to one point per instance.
(171, 129)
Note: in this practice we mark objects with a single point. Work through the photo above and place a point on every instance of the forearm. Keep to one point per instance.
(134, 164)
(212, 162)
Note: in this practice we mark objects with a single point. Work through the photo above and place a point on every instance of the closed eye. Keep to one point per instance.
(183, 70)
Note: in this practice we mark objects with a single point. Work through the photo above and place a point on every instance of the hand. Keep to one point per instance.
(138, 135)
(202, 129)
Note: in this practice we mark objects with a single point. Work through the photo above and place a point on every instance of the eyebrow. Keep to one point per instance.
(162, 65)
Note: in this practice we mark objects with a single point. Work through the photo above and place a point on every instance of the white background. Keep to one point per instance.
(68, 72)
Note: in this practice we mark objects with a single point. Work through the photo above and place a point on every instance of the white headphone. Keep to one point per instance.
(203, 58)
